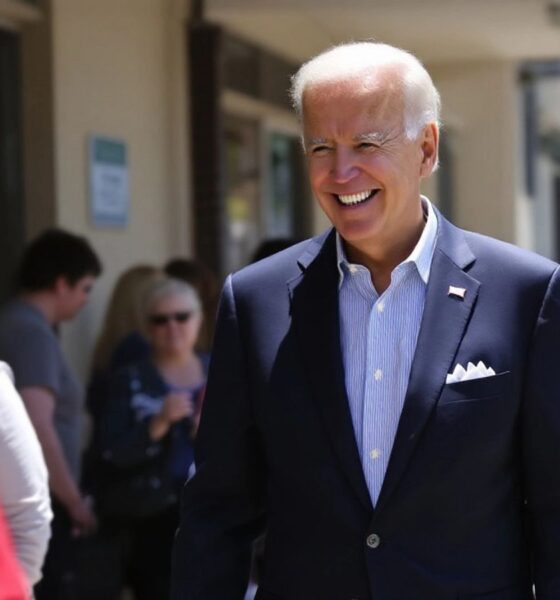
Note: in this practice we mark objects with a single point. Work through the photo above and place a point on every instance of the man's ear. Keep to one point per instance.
(429, 148)
(60, 285)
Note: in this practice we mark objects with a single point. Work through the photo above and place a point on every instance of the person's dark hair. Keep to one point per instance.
(195, 272)
(53, 254)
(202, 278)
(271, 246)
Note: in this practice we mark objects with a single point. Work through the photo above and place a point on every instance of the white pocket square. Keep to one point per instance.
(471, 372)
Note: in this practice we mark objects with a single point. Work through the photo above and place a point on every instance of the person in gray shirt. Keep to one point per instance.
(55, 278)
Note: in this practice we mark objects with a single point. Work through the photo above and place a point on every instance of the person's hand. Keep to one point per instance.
(83, 518)
(176, 406)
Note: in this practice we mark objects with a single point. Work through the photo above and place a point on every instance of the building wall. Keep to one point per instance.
(482, 118)
(119, 70)
(543, 206)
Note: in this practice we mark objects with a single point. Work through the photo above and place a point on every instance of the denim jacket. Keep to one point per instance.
(138, 476)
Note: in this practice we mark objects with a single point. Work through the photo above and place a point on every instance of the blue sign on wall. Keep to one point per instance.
(109, 186)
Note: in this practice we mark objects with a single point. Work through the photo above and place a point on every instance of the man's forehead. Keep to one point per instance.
(377, 99)
(367, 119)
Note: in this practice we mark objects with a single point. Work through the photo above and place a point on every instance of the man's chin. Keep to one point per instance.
(356, 240)
(356, 234)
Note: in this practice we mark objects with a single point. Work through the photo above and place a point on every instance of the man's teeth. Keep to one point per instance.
(354, 198)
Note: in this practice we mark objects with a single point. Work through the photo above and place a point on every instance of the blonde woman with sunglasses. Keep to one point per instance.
(145, 437)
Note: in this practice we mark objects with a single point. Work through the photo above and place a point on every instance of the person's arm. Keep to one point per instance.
(223, 504)
(541, 446)
(125, 441)
(40, 405)
(176, 407)
(24, 491)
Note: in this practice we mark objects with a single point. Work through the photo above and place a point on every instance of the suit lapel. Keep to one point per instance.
(315, 315)
(443, 325)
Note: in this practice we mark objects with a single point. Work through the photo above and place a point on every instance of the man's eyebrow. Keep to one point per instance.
(371, 136)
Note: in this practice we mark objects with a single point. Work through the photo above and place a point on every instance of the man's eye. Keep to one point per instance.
(319, 150)
(367, 146)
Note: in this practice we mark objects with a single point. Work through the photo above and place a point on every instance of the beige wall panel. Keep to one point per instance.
(480, 111)
(114, 76)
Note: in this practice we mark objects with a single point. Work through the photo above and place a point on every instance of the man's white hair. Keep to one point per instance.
(421, 98)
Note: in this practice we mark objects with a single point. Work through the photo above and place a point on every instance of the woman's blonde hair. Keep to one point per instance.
(124, 312)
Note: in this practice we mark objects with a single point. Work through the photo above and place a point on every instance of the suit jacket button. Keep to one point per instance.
(373, 540)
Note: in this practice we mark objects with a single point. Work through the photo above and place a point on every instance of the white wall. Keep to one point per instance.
(119, 70)
(481, 112)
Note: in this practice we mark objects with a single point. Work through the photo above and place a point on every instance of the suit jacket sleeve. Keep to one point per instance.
(222, 506)
(541, 422)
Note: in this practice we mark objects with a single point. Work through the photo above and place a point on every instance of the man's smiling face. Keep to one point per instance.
(363, 170)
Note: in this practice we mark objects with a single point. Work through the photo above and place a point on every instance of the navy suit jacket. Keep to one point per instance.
(470, 504)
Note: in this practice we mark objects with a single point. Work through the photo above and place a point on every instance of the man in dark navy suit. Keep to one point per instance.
(384, 398)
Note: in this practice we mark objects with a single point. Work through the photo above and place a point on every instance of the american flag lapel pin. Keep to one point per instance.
(459, 292)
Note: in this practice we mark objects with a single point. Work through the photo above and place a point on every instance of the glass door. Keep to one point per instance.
(242, 191)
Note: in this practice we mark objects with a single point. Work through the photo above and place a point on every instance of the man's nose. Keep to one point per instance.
(344, 167)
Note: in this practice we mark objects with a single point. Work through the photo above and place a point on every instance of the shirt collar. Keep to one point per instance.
(421, 255)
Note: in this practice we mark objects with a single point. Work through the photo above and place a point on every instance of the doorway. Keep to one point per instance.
(12, 221)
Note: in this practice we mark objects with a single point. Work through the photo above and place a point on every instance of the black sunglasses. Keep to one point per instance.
(162, 319)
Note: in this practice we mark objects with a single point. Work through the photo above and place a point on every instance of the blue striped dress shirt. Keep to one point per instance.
(378, 339)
